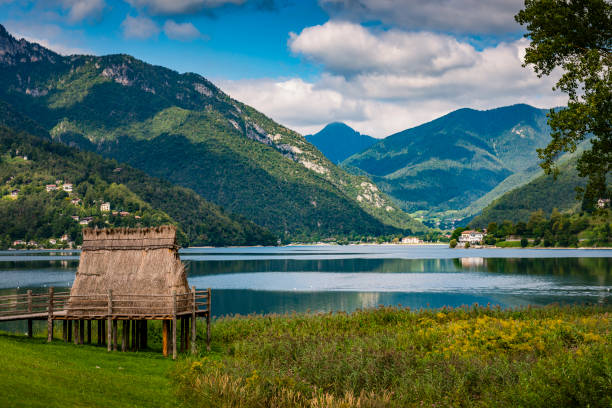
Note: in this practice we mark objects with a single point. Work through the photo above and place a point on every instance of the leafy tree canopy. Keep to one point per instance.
(575, 36)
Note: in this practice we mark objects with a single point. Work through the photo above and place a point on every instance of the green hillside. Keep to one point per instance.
(544, 193)
(448, 164)
(337, 141)
(32, 212)
(182, 128)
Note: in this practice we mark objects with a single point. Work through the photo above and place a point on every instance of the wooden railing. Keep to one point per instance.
(27, 304)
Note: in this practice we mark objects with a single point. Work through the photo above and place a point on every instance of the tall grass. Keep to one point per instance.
(475, 356)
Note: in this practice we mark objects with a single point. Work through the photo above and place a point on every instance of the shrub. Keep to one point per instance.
(453, 243)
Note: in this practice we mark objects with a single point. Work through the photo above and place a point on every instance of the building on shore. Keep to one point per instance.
(472, 237)
(411, 240)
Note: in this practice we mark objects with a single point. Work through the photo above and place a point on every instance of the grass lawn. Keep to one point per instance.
(385, 357)
(37, 374)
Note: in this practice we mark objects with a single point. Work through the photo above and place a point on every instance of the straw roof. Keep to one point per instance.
(130, 261)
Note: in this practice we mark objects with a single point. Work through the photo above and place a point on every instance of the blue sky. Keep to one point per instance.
(379, 65)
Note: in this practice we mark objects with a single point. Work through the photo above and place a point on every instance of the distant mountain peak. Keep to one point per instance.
(338, 141)
(13, 51)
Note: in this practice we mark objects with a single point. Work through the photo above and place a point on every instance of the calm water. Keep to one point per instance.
(333, 278)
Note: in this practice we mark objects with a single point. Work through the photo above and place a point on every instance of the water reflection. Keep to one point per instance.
(322, 279)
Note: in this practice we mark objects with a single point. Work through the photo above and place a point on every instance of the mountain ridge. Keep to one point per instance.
(106, 103)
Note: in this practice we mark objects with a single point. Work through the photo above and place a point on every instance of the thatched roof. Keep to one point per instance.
(130, 261)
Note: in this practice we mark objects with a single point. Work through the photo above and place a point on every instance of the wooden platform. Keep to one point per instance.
(112, 308)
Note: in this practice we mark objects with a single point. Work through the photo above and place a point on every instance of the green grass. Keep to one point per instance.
(386, 357)
(37, 374)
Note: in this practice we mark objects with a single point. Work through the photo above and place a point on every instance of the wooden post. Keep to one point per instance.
(115, 332)
(88, 331)
(76, 332)
(69, 331)
(29, 311)
(109, 328)
(174, 325)
(64, 328)
(165, 337)
(133, 335)
(193, 320)
(50, 316)
(123, 336)
(81, 331)
(208, 321)
(145, 334)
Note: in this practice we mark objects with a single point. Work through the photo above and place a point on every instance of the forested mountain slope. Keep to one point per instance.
(451, 162)
(182, 128)
(32, 211)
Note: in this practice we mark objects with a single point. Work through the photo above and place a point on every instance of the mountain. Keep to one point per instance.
(544, 193)
(338, 141)
(445, 165)
(182, 128)
(29, 163)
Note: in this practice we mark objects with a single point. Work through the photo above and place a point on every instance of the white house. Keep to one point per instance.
(105, 207)
(51, 187)
(603, 202)
(67, 187)
(411, 240)
(471, 236)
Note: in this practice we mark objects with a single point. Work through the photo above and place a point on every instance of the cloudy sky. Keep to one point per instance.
(380, 66)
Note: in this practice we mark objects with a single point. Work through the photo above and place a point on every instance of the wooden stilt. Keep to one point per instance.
(123, 335)
(174, 354)
(114, 335)
(76, 332)
(64, 328)
(29, 327)
(88, 331)
(69, 331)
(133, 348)
(165, 324)
(109, 320)
(81, 331)
(145, 335)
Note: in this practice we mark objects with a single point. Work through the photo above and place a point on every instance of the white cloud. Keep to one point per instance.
(385, 82)
(172, 7)
(140, 28)
(346, 48)
(181, 31)
(458, 16)
(80, 10)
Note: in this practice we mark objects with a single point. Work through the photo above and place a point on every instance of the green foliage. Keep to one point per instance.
(451, 162)
(575, 36)
(396, 358)
(181, 128)
(544, 193)
(39, 215)
(562, 230)
(453, 243)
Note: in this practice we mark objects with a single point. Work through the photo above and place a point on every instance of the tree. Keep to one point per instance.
(575, 36)
(453, 243)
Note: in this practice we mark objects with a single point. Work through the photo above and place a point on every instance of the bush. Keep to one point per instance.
(524, 242)
(453, 243)
(467, 245)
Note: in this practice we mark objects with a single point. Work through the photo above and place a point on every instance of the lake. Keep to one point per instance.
(346, 278)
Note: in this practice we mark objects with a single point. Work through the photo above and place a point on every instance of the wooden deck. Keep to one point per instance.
(111, 308)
